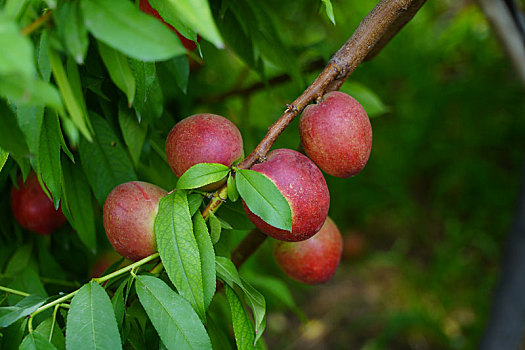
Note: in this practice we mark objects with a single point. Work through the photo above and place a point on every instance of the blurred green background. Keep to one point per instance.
(433, 206)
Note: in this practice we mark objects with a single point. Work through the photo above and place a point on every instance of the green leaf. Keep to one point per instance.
(44, 66)
(145, 74)
(194, 202)
(119, 70)
(233, 194)
(178, 249)
(77, 198)
(227, 272)
(30, 92)
(17, 56)
(48, 156)
(242, 326)
(3, 158)
(207, 255)
(51, 331)
(329, 10)
(234, 214)
(202, 174)
(28, 281)
(195, 14)
(215, 227)
(13, 8)
(104, 160)
(10, 314)
(119, 305)
(372, 104)
(134, 133)
(171, 16)
(19, 260)
(35, 341)
(71, 29)
(179, 67)
(91, 322)
(172, 316)
(11, 138)
(122, 26)
(264, 199)
(71, 99)
(30, 120)
(76, 86)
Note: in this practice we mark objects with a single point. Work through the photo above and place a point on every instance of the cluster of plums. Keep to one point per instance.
(335, 133)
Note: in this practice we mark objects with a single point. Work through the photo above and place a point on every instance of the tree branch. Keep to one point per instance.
(373, 33)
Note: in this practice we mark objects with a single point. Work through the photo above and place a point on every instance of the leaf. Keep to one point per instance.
(207, 255)
(56, 337)
(17, 56)
(233, 194)
(329, 10)
(215, 227)
(133, 132)
(202, 174)
(77, 198)
(227, 272)
(195, 14)
(28, 281)
(179, 67)
(3, 158)
(264, 199)
(91, 322)
(372, 104)
(171, 16)
(119, 70)
(172, 316)
(194, 202)
(35, 341)
(11, 138)
(13, 8)
(44, 66)
(71, 29)
(30, 92)
(242, 326)
(104, 160)
(10, 314)
(19, 260)
(71, 99)
(48, 155)
(234, 214)
(131, 31)
(178, 248)
(30, 120)
(145, 74)
(119, 305)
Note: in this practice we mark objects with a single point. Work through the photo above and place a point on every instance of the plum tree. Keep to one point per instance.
(33, 209)
(302, 184)
(129, 216)
(146, 7)
(314, 260)
(203, 138)
(336, 134)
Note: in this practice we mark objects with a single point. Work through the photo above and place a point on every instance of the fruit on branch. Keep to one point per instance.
(314, 260)
(336, 134)
(145, 7)
(203, 138)
(129, 216)
(302, 184)
(33, 209)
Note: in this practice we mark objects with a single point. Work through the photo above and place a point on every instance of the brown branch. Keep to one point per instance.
(37, 23)
(376, 29)
(247, 247)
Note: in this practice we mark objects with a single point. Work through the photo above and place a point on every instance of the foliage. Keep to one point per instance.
(88, 97)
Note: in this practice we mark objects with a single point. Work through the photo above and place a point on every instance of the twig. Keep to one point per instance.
(247, 247)
(37, 23)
